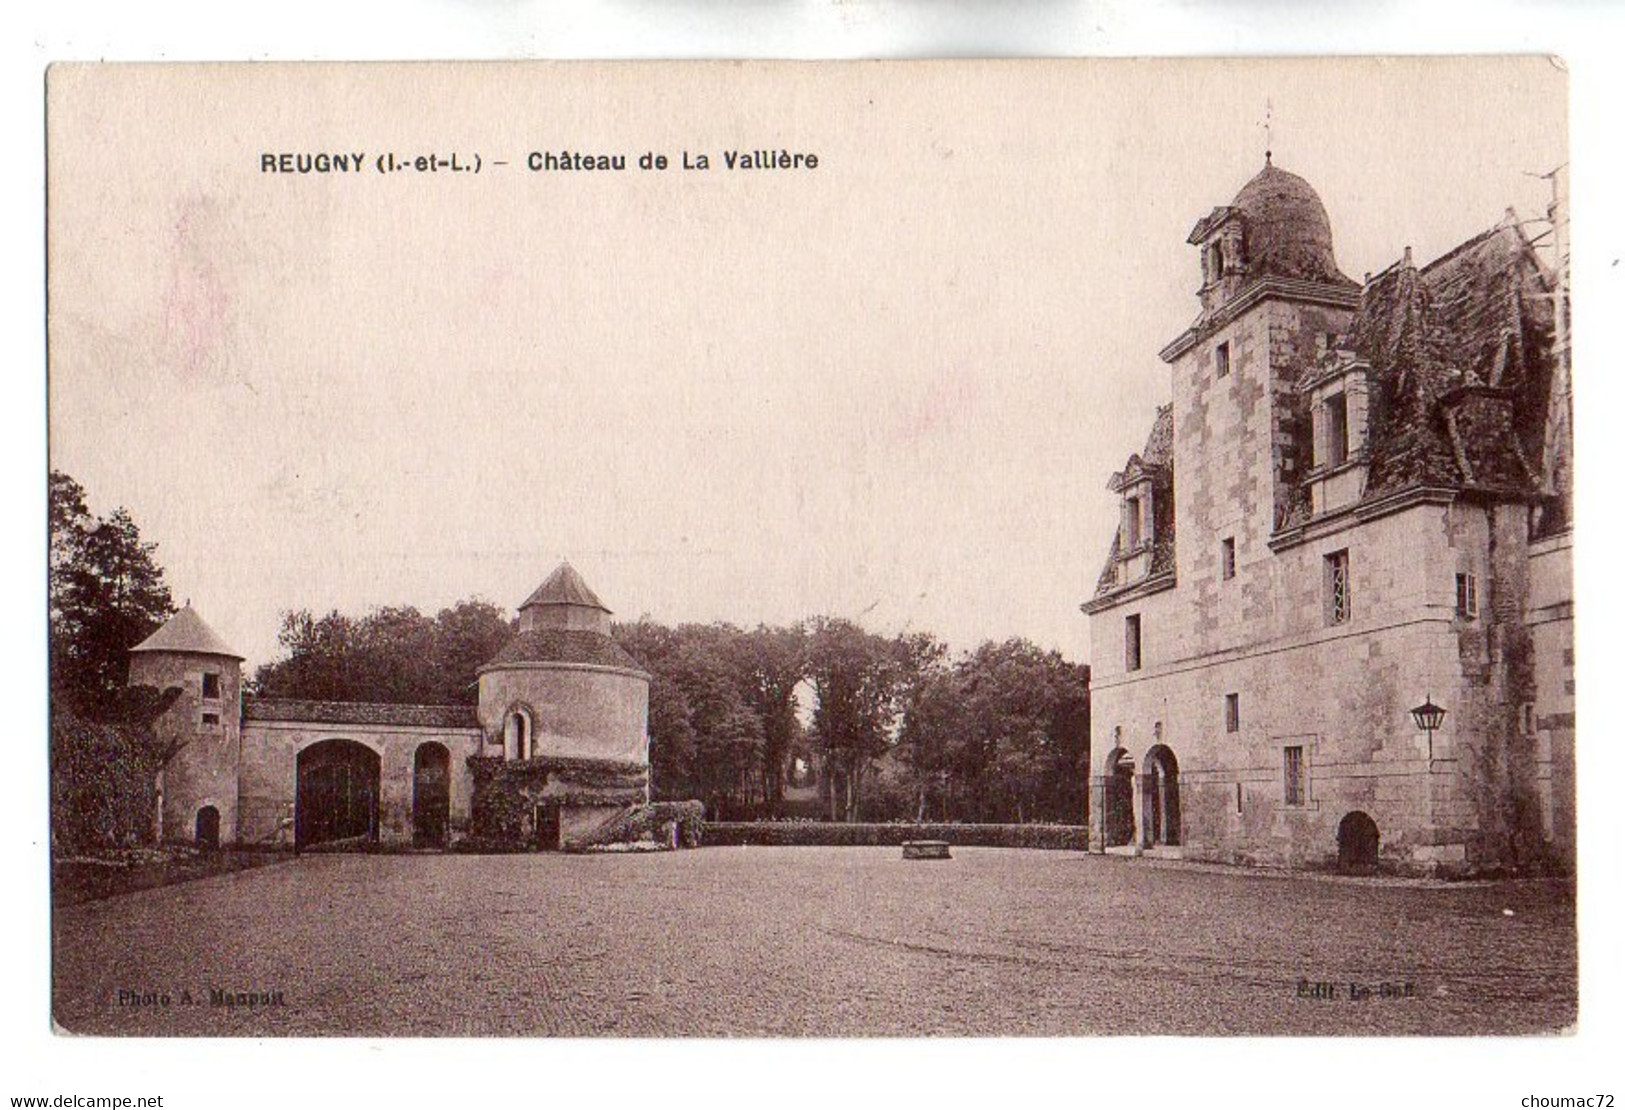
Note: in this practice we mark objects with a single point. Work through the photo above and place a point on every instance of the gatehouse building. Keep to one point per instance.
(556, 746)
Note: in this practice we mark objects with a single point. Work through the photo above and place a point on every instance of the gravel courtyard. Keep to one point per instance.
(811, 942)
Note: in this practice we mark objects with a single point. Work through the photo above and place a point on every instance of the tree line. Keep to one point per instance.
(749, 721)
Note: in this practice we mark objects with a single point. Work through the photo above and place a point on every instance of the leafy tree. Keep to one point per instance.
(772, 663)
(107, 595)
(858, 678)
(1002, 736)
(393, 654)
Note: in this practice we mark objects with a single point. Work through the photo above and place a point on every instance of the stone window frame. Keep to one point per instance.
(525, 742)
(1133, 643)
(1221, 360)
(1232, 713)
(1306, 745)
(1133, 523)
(211, 720)
(1338, 588)
(1466, 595)
(1227, 558)
(1334, 412)
(210, 678)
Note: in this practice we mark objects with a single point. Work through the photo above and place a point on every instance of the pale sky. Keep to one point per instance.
(892, 388)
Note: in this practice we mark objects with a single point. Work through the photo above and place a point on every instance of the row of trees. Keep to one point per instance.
(395, 655)
(897, 728)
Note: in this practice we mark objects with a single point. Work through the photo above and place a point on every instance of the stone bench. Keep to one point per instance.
(925, 849)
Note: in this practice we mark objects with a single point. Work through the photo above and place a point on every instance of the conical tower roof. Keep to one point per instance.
(565, 586)
(186, 631)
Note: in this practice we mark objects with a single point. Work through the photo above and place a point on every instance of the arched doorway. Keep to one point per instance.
(1358, 842)
(208, 827)
(337, 795)
(1161, 797)
(1118, 820)
(431, 794)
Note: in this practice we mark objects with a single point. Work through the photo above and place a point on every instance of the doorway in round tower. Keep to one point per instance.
(208, 827)
(1161, 797)
(431, 794)
(1119, 820)
(337, 795)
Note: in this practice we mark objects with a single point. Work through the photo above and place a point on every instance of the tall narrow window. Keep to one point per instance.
(1227, 558)
(1221, 360)
(1338, 603)
(1232, 713)
(1292, 772)
(1467, 596)
(1131, 523)
(518, 735)
(1336, 409)
(1131, 643)
(211, 685)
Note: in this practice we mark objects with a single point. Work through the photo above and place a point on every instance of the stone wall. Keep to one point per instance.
(269, 781)
(577, 710)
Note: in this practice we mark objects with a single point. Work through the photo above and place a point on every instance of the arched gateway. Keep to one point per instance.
(337, 794)
(431, 794)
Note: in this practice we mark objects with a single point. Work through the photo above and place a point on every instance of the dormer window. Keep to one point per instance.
(1337, 404)
(1335, 434)
(1215, 261)
(1131, 523)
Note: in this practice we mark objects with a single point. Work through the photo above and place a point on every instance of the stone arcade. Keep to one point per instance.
(1357, 500)
(557, 746)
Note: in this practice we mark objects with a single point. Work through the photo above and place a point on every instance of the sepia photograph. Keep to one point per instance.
(718, 550)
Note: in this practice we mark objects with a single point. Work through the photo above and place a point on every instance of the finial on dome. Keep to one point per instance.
(1269, 132)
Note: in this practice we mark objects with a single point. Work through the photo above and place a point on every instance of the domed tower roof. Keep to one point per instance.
(1288, 234)
(186, 631)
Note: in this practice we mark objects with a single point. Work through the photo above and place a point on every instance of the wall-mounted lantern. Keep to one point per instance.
(1428, 717)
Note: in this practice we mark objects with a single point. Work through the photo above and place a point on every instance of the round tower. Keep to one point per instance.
(203, 724)
(569, 711)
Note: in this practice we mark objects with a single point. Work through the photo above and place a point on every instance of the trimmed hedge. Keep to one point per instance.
(1073, 838)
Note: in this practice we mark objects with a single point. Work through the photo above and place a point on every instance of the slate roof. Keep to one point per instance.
(1156, 460)
(565, 586)
(358, 713)
(551, 645)
(1288, 232)
(186, 631)
(1460, 369)
(1460, 377)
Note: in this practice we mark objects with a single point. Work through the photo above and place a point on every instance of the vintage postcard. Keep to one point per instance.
(917, 549)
